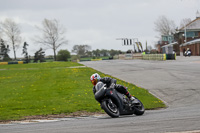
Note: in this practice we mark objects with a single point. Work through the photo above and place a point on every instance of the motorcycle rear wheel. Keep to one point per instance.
(110, 108)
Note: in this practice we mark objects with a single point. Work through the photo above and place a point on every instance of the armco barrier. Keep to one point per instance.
(154, 57)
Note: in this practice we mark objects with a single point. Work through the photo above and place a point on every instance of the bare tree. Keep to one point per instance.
(1, 32)
(164, 26)
(12, 33)
(184, 22)
(53, 35)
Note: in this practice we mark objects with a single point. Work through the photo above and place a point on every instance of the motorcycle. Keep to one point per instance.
(115, 103)
(187, 53)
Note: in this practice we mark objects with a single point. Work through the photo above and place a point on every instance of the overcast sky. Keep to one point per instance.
(96, 22)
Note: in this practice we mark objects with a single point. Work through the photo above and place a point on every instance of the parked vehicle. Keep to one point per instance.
(115, 103)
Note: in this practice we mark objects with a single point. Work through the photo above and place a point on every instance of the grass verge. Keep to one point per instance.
(54, 88)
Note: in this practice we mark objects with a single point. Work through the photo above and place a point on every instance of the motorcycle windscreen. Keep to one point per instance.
(98, 86)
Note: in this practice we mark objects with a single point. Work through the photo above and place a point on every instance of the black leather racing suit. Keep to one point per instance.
(108, 81)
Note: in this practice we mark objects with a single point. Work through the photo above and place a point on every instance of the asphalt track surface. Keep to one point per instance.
(176, 82)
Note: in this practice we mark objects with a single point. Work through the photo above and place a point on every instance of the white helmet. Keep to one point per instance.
(95, 78)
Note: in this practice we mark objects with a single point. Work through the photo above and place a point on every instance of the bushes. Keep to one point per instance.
(63, 55)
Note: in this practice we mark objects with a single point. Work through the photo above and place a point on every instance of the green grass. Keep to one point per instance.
(44, 65)
(53, 88)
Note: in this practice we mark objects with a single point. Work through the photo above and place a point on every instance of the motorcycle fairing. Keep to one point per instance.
(118, 99)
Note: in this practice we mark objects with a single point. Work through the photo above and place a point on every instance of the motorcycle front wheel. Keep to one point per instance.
(110, 108)
(139, 108)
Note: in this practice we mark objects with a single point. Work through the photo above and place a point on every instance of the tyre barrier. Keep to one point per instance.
(96, 59)
(8, 63)
(92, 60)
(161, 57)
(171, 56)
(3, 63)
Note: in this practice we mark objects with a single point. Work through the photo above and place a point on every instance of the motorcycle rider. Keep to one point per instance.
(188, 52)
(95, 78)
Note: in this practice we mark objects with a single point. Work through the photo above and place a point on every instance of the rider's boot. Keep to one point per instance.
(133, 100)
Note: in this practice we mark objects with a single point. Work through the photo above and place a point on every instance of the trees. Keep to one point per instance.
(184, 22)
(39, 56)
(81, 50)
(114, 52)
(104, 52)
(53, 35)
(96, 52)
(164, 26)
(4, 50)
(12, 32)
(63, 55)
(25, 52)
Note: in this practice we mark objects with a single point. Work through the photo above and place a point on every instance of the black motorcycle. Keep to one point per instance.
(115, 103)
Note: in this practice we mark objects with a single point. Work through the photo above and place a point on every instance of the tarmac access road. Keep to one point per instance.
(175, 82)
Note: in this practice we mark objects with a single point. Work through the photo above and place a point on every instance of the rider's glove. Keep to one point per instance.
(112, 85)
